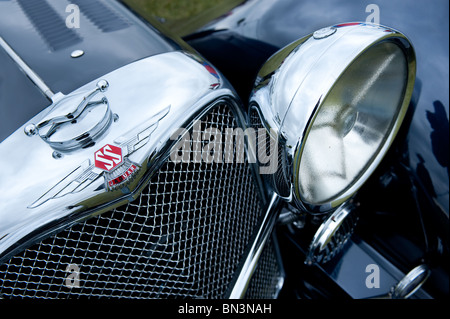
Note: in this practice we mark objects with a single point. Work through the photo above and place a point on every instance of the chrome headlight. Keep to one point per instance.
(337, 98)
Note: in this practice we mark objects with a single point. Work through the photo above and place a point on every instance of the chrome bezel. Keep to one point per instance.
(330, 236)
(412, 282)
(294, 83)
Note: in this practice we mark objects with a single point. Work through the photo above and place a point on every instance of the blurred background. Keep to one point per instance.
(182, 16)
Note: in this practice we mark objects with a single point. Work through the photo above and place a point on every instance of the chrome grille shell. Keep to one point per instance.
(173, 241)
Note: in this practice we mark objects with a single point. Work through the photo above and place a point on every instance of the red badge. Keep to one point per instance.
(120, 179)
(108, 157)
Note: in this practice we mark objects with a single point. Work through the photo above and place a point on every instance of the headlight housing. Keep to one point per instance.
(337, 99)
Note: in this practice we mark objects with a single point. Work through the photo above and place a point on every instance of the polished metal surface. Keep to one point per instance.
(268, 278)
(332, 235)
(293, 84)
(274, 150)
(77, 53)
(324, 33)
(150, 98)
(173, 241)
(410, 283)
(240, 286)
(76, 121)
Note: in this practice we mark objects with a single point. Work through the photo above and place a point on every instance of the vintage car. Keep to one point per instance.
(283, 149)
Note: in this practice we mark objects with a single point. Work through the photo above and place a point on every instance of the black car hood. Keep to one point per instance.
(109, 34)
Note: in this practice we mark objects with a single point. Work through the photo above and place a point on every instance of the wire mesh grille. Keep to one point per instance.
(183, 237)
(267, 280)
(280, 179)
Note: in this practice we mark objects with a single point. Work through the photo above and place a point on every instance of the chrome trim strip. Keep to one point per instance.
(28, 71)
(249, 266)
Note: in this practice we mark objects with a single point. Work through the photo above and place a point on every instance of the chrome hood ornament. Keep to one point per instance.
(66, 129)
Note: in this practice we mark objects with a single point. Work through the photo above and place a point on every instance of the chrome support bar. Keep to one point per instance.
(28, 71)
(251, 261)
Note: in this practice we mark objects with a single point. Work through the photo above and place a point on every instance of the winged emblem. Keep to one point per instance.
(110, 162)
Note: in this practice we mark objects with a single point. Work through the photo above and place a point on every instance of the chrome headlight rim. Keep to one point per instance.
(293, 84)
(319, 207)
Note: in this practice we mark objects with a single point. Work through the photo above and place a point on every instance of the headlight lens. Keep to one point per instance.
(352, 124)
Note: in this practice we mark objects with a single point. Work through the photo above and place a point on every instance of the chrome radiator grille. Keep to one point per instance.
(280, 179)
(268, 277)
(184, 236)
